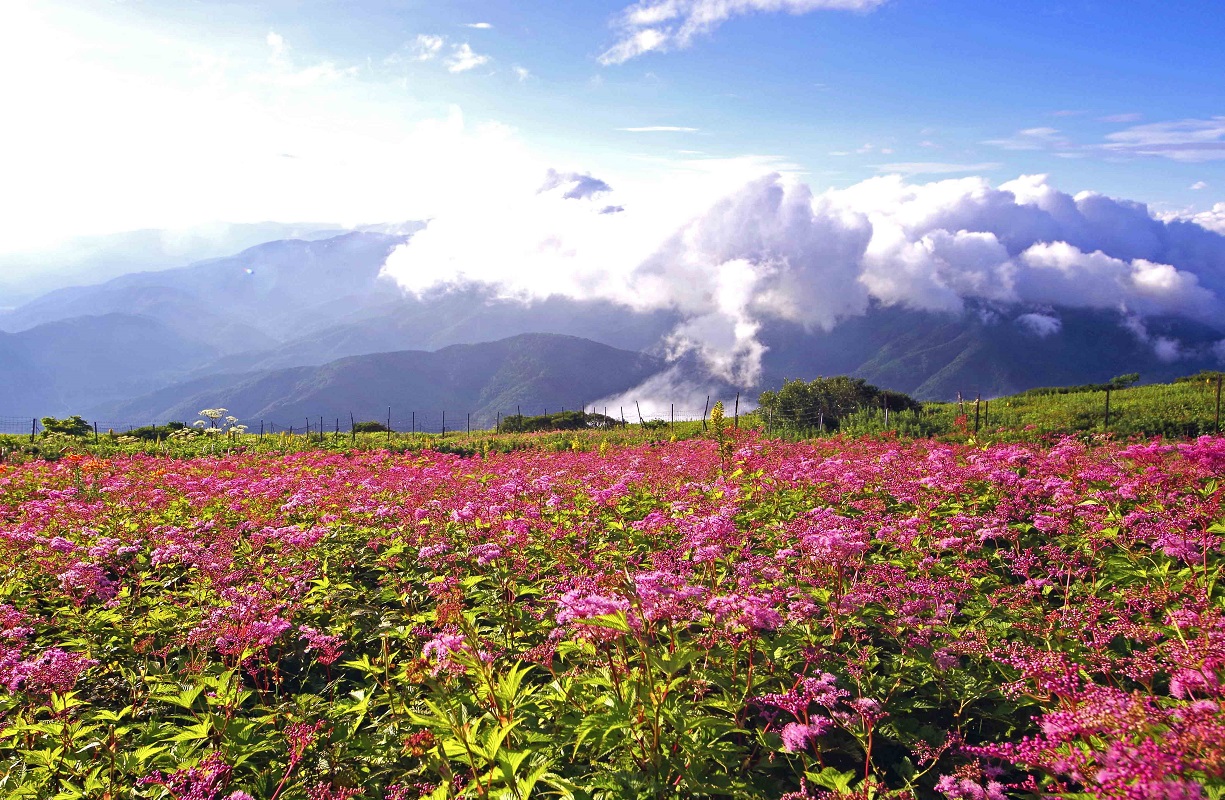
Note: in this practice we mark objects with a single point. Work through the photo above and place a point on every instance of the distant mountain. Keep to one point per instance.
(64, 366)
(265, 294)
(94, 259)
(534, 371)
(990, 351)
(177, 337)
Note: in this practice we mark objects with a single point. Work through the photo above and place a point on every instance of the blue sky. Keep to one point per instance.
(132, 114)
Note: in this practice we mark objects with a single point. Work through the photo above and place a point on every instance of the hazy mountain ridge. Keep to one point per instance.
(210, 329)
(530, 370)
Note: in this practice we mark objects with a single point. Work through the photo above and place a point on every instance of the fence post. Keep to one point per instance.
(1106, 427)
(986, 413)
(498, 424)
(33, 425)
(469, 423)
(388, 424)
(704, 410)
(641, 421)
(674, 419)
(977, 400)
(444, 423)
(1217, 424)
(353, 428)
(95, 434)
(261, 430)
(414, 422)
(737, 418)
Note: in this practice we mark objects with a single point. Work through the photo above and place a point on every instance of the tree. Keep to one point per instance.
(72, 426)
(828, 401)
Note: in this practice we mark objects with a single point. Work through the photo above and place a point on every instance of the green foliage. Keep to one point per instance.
(154, 432)
(561, 421)
(370, 426)
(825, 402)
(1117, 382)
(71, 426)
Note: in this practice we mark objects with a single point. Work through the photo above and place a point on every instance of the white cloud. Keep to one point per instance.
(1119, 118)
(426, 47)
(935, 167)
(482, 26)
(462, 58)
(771, 249)
(660, 129)
(1190, 140)
(663, 25)
(1213, 219)
(522, 73)
(1033, 139)
(1198, 185)
(1040, 325)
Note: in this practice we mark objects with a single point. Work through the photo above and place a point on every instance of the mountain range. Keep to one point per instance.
(300, 327)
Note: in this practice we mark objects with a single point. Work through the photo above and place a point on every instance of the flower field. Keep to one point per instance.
(752, 619)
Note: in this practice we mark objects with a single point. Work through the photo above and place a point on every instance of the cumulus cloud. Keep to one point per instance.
(663, 25)
(1213, 219)
(463, 58)
(773, 250)
(1040, 325)
(426, 46)
(576, 186)
(1198, 185)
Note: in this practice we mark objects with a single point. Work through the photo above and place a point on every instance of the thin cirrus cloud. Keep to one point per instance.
(1190, 140)
(935, 168)
(663, 25)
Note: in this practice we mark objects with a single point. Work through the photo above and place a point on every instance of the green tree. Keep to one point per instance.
(71, 426)
(828, 400)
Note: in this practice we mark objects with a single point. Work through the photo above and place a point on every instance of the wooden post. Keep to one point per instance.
(353, 429)
(261, 430)
(986, 413)
(96, 434)
(737, 425)
(469, 423)
(641, 421)
(884, 401)
(33, 427)
(291, 430)
(623, 422)
(821, 420)
(444, 424)
(1217, 424)
(704, 410)
(388, 424)
(1106, 427)
(414, 422)
(498, 424)
(321, 429)
(337, 434)
(977, 400)
(674, 419)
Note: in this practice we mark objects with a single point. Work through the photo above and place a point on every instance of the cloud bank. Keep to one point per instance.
(773, 249)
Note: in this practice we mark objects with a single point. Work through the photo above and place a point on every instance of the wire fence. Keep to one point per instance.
(440, 422)
(1183, 409)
